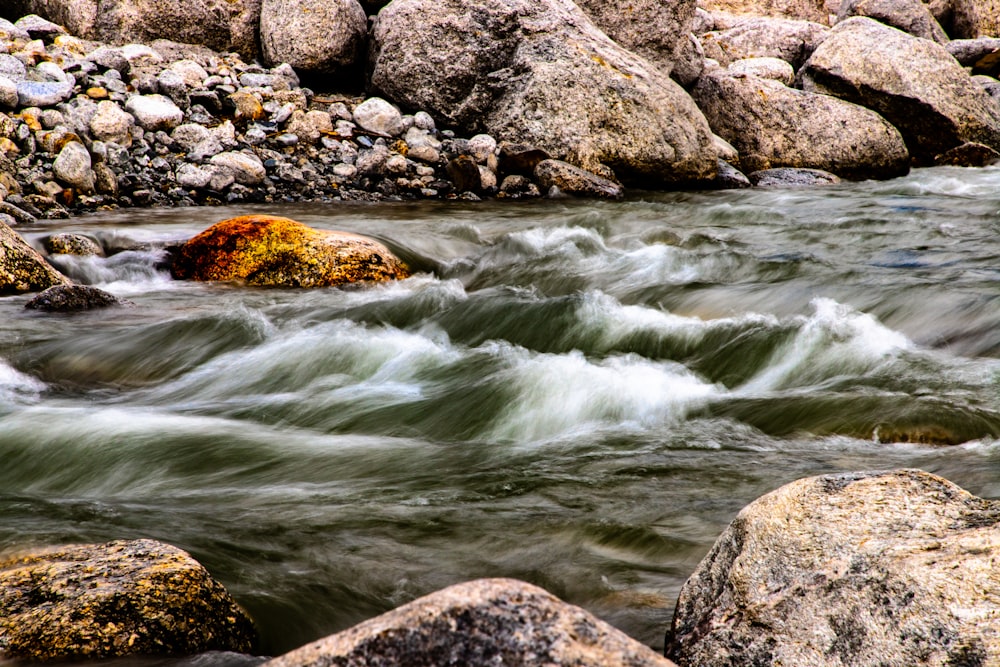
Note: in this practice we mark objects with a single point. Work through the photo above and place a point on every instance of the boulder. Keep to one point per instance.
(730, 178)
(73, 299)
(479, 623)
(790, 40)
(223, 25)
(765, 68)
(872, 568)
(317, 36)
(72, 167)
(788, 177)
(654, 29)
(958, 18)
(274, 251)
(772, 125)
(22, 269)
(913, 83)
(72, 244)
(910, 16)
(804, 10)
(540, 72)
(111, 123)
(96, 601)
(575, 181)
(968, 155)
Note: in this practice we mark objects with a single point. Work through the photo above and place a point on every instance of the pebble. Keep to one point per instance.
(379, 116)
(154, 112)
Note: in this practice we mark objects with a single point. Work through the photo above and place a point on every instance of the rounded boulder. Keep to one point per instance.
(274, 251)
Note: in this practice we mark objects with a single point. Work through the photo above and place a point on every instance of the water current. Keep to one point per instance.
(578, 394)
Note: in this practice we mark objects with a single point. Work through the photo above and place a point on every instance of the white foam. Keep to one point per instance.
(16, 386)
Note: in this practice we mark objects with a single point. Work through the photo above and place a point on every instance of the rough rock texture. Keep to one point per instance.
(765, 68)
(74, 298)
(72, 244)
(913, 83)
(224, 25)
(987, 18)
(959, 18)
(115, 599)
(575, 181)
(878, 568)
(790, 40)
(982, 55)
(968, 155)
(475, 624)
(806, 10)
(772, 125)
(655, 29)
(319, 36)
(22, 269)
(275, 251)
(72, 167)
(788, 177)
(910, 16)
(540, 72)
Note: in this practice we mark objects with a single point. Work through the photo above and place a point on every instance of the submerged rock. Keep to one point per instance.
(872, 568)
(74, 298)
(22, 269)
(122, 598)
(274, 251)
(479, 624)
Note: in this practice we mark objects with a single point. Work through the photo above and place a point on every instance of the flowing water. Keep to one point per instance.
(578, 394)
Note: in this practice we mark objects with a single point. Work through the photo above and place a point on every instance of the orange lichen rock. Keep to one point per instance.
(274, 251)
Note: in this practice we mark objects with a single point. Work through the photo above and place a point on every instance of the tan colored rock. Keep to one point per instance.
(122, 598)
(790, 40)
(959, 18)
(22, 269)
(478, 624)
(874, 568)
(910, 16)
(275, 251)
(802, 10)
(320, 36)
(575, 181)
(987, 14)
(654, 29)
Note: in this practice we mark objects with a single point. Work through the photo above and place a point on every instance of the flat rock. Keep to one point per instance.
(96, 601)
(479, 624)
(787, 177)
(318, 36)
(871, 568)
(43, 93)
(913, 83)
(73, 299)
(22, 269)
(275, 251)
(575, 181)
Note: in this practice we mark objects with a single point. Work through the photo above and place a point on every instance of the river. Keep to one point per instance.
(578, 394)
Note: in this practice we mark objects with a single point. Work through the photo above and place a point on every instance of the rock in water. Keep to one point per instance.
(22, 269)
(74, 298)
(275, 251)
(116, 599)
(575, 181)
(875, 568)
(72, 244)
(478, 624)
(913, 83)
(540, 72)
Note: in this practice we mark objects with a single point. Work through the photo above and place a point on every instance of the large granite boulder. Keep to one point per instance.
(772, 125)
(879, 568)
(910, 16)
(93, 601)
(317, 36)
(540, 72)
(987, 13)
(478, 624)
(275, 251)
(22, 269)
(655, 29)
(224, 25)
(790, 40)
(913, 83)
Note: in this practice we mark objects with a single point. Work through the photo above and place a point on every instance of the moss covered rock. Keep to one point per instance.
(22, 269)
(138, 597)
(275, 251)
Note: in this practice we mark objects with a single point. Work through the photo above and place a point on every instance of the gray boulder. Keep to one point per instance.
(22, 269)
(913, 83)
(772, 125)
(654, 29)
(320, 36)
(982, 55)
(790, 40)
(479, 623)
(910, 16)
(878, 568)
(540, 72)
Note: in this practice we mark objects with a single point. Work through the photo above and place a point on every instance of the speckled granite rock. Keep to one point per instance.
(74, 298)
(22, 269)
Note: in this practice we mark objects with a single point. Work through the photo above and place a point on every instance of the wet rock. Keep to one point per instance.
(517, 158)
(22, 269)
(154, 112)
(773, 126)
(319, 36)
(653, 29)
(274, 251)
(115, 599)
(464, 173)
(730, 178)
(484, 622)
(74, 299)
(786, 177)
(969, 155)
(855, 568)
(72, 244)
(790, 40)
(378, 116)
(913, 83)
(575, 181)
(540, 73)
(518, 186)
(72, 167)
(910, 16)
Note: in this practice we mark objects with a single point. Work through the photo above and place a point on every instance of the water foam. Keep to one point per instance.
(17, 387)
